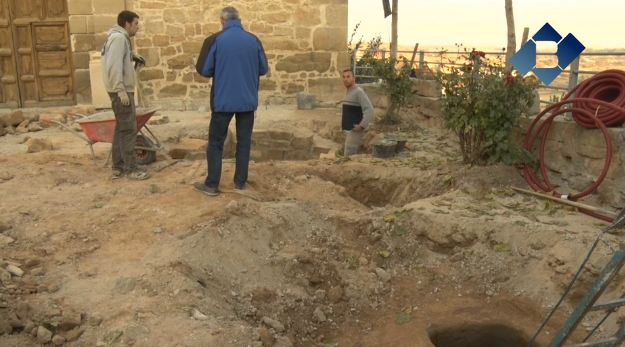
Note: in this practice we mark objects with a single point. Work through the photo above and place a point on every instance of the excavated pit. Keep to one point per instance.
(478, 335)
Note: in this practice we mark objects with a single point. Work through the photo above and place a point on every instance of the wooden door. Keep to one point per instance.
(43, 52)
(9, 89)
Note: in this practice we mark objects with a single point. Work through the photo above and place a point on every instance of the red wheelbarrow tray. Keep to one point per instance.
(100, 127)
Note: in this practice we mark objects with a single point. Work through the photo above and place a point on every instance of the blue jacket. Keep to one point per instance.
(234, 59)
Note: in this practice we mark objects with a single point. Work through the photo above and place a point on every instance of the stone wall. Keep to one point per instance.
(304, 40)
(575, 157)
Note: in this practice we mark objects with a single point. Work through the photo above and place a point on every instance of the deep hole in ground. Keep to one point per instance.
(373, 187)
(478, 335)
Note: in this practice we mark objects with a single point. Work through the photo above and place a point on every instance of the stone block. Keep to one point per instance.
(181, 61)
(187, 146)
(275, 17)
(267, 85)
(168, 51)
(174, 30)
(330, 39)
(192, 46)
(160, 40)
(303, 33)
(141, 42)
(299, 155)
(277, 43)
(313, 61)
(307, 16)
(102, 23)
(306, 101)
(326, 88)
(153, 5)
(99, 40)
(292, 88)
(83, 42)
(174, 90)
(154, 26)
(261, 28)
(38, 145)
(267, 154)
(108, 6)
(302, 143)
(281, 136)
(174, 16)
(336, 15)
(151, 74)
(428, 106)
(80, 60)
(151, 55)
(12, 119)
(80, 6)
(590, 143)
(427, 88)
(78, 24)
(82, 84)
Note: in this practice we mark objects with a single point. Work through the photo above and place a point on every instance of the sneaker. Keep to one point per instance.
(202, 188)
(117, 173)
(239, 186)
(138, 175)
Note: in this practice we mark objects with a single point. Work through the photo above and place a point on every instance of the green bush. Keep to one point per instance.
(483, 105)
(395, 78)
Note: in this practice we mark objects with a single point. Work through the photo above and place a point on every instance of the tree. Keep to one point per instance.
(511, 48)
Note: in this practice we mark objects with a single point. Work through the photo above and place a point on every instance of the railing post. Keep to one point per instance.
(383, 54)
(421, 63)
(574, 74)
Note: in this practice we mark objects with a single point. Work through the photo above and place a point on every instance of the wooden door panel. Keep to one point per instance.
(27, 10)
(50, 36)
(9, 90)
(25, 64)
(56, 9)
(53, 64)
(35, 53)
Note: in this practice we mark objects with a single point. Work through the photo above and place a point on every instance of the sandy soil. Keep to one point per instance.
(411, 251)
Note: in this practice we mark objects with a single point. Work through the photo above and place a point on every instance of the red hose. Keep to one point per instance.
(602, 95)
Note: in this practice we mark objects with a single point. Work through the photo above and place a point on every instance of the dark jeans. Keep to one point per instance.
(125, 133)
(217, 132)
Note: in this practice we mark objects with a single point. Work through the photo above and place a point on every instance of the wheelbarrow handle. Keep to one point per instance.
(71, 131)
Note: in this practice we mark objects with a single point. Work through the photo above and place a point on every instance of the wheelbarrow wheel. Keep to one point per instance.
(144, 157)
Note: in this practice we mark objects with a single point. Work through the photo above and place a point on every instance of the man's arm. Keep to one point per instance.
(208, 70)
(208, 49)
(367, 109)
(262, 60)
(115, 55)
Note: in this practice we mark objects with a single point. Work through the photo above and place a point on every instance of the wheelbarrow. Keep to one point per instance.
(100, 127)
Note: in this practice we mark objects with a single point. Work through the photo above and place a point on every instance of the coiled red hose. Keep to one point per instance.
(599, 102)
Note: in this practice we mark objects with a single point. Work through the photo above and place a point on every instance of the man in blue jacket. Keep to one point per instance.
(235, 59)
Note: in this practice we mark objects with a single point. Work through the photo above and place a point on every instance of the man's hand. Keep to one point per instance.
(139, 60)
(358, 128)
(123, 96)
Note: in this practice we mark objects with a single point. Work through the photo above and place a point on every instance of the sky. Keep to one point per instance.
(598, 24)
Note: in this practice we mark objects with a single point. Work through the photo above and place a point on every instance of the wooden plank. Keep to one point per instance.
(566, 202)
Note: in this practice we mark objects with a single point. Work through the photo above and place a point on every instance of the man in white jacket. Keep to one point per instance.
(119, 79)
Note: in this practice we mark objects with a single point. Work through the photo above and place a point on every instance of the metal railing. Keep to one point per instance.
(421, 65)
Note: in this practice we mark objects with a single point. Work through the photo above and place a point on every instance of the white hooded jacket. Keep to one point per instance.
(118, 73)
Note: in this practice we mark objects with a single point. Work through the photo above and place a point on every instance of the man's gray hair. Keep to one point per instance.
(229, 13)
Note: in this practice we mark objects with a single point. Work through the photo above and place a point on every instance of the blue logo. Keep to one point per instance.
(569, 48)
